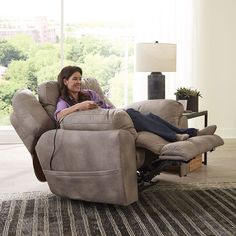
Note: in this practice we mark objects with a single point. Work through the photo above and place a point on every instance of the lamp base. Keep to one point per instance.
(156, 86)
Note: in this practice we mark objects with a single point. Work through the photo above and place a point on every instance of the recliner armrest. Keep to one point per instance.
(99, 119)
(90, 165)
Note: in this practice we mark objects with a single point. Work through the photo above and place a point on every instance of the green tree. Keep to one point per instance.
(45, 54)
(7, 90)
(32, 81)
(24, 43)
(45, 62)
(117, 89)
(48, 72)
(17, 72)
(9, 53)
(86, 45)
(102, 68)
(74, 50)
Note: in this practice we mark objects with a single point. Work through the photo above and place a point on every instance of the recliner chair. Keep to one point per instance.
(95, 155)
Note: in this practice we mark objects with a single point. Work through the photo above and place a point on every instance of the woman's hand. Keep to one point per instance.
(86, 105)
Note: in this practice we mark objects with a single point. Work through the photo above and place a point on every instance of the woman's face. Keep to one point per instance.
(73, 84)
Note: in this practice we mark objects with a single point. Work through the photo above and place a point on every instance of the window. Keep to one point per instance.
(37, 38)
(30, 50)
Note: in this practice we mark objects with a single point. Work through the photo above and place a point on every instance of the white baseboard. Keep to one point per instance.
(226, 133)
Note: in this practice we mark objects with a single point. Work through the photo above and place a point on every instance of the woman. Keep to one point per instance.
(74, 99)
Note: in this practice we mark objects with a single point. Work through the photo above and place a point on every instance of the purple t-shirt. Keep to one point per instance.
(62, 104)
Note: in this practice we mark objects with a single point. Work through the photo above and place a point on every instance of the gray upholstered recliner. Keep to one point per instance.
(94, 155)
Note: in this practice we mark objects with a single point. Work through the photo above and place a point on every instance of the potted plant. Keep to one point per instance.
(189, 94)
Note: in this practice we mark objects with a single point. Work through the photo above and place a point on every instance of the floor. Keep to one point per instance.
(16, 171)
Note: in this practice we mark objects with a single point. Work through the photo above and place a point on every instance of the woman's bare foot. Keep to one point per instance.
(181, 137)
(209, 130)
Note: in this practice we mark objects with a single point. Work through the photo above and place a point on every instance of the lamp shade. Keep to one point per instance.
(155, 57)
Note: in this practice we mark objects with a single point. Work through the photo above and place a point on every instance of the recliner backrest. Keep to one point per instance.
(49, 93)
(30, 121)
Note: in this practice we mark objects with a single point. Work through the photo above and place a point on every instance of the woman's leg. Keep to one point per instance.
(190, 131)
(154, 125)
(209, 130)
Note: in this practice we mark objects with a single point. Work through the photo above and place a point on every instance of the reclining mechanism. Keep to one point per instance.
(150, 170)
(154, 167)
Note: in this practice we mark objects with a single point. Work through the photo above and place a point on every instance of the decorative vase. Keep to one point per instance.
(192, 102)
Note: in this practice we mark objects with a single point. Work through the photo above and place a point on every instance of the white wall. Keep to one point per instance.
(166, 21)
(214, 64)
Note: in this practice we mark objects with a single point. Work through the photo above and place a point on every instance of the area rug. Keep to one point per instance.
(161, 210)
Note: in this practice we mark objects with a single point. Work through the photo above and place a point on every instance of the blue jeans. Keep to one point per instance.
(155, 124)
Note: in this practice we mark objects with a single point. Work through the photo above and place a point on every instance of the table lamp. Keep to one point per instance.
(156, 58)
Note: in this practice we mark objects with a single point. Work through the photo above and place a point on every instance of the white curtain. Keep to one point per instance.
(166, 21)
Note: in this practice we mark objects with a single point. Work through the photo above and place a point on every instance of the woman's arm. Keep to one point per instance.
(86, 105)
(96, 98)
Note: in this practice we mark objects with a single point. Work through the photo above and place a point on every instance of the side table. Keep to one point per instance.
(194, 114)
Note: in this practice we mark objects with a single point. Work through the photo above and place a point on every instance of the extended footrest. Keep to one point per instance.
(190, 148)
(175, 153)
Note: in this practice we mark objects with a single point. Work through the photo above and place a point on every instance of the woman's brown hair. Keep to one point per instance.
(66, 73)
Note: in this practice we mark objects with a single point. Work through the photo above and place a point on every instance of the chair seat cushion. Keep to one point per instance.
(150, 141)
